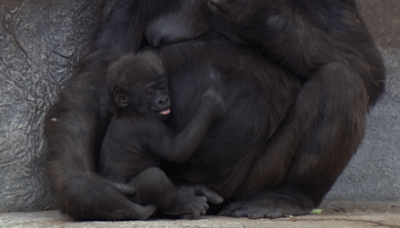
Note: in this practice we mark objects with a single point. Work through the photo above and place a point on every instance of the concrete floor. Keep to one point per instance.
(339, 214)
(54, 219)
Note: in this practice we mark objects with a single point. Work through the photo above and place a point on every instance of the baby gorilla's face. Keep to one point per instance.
(152, 97)
(140, 84)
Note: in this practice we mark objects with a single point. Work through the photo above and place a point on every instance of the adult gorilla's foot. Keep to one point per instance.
(270, 205)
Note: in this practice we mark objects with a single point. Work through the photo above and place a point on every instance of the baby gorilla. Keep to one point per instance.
(137, 136)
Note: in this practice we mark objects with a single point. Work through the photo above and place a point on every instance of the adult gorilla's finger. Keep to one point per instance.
(142, 212)
(186, 216)
(196, 215)
(240, 214)
(211, 196)
(125, 189)
(275, 214)
(257, 215)
(228, 210)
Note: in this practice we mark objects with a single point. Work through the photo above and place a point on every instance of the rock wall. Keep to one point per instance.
(42, 40)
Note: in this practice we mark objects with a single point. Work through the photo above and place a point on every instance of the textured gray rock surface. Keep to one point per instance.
(41, 40)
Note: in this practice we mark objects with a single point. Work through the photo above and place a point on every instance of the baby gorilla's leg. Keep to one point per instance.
(154, 187)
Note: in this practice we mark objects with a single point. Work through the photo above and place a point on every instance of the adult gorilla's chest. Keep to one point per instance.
(257, 92)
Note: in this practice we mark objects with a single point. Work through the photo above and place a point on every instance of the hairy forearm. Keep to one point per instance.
(187, 141)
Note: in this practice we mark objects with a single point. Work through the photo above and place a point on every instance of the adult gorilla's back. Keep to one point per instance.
(279, 149)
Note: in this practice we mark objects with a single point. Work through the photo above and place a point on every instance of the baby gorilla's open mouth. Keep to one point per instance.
(166, 112)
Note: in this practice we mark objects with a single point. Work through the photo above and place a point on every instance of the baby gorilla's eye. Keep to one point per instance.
(150, 91)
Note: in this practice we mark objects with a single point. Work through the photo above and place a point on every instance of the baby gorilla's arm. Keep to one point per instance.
(181, 147)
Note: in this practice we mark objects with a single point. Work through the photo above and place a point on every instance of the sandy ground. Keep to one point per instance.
(335, 214)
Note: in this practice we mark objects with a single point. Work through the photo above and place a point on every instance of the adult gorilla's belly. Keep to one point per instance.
(258, 95)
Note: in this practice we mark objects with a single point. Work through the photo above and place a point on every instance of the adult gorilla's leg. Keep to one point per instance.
(310, 149)
(343, 75)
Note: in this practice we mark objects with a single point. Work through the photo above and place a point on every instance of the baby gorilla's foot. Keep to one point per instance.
(192, 201)
(188, 206)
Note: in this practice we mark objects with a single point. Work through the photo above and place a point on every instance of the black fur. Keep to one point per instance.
(327, 45)
(297, 76)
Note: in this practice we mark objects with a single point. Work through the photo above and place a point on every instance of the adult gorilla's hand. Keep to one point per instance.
(124, 188)
(138, 211)
(94, 198)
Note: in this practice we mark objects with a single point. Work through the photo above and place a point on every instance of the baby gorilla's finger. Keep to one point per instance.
(211, 92)
(204, 210)
(211, 196)
(206, 206)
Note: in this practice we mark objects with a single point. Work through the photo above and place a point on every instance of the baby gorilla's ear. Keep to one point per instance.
(121, 98)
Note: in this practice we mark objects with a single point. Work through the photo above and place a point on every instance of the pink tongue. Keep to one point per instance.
(166, 112)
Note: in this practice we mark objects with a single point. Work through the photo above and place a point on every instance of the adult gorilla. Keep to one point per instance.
(287, 134)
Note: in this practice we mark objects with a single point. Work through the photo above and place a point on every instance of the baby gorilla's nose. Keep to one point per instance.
(163, 102)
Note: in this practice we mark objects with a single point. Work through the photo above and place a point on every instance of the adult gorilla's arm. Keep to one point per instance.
(326, 44)
(70, 130)
(75, 125)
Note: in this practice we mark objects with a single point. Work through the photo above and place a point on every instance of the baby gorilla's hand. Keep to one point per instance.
(214, 103)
